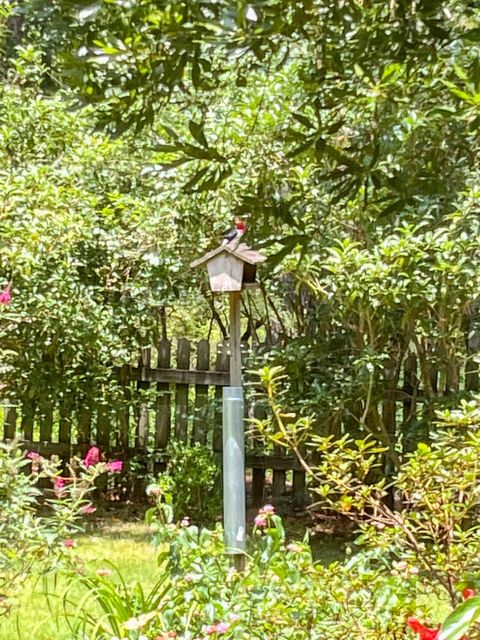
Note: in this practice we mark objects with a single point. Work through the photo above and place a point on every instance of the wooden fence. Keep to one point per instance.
(175, 392)
(167, 396)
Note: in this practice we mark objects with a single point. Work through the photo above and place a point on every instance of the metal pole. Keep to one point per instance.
(234, 474)
(234, 445)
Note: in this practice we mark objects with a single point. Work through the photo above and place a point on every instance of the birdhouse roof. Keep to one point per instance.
(242, 252)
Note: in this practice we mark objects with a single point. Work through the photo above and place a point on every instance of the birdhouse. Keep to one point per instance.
(231, 269)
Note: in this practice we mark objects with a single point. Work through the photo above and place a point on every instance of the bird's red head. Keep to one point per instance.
(240, 225)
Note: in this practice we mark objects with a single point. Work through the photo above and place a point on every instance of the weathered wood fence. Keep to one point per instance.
(175, 392)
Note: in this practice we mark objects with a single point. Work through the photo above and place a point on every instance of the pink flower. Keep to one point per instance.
(93, 457)
(33, 455)
(5, 295)
(260, 520)
(115, 466)
(88, 509)
(294, 548)
(211, 628)
(59, 486)
(69, 543)
(185, 522)
(222, 627)
(104, 572)
(468, 593)
(234, 617)
(189, 577)
(267, 510)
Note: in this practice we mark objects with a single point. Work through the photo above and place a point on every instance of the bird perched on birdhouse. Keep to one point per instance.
(232, 238)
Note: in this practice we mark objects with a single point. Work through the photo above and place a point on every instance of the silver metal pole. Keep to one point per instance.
(234, 473)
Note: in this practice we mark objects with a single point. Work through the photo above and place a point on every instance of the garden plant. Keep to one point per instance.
(345, 133)
(36, 526)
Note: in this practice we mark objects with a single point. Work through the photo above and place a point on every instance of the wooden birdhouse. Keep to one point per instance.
(231, 269)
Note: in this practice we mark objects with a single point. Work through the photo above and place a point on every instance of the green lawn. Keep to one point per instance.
(126, 545)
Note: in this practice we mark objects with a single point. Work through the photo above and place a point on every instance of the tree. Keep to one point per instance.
(347, 130)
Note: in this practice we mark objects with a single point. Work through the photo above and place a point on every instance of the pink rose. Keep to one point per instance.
(115, 466)
(93, 457)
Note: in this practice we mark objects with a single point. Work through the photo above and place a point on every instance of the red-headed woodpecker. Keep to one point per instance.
(234, 236)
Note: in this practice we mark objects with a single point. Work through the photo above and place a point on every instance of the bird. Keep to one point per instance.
(232, 238)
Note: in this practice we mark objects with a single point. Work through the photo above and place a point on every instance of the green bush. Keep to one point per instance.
(190, 483)
(434, 525)
(282, 593)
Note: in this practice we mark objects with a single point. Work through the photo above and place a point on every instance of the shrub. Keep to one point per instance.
(191, 482)
(36, 527)
(436, 530)
(282, 594)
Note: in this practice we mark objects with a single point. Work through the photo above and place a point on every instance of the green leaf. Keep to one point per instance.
(460, 620)
(473, 35)
(197, 132)
(303, 120)
(188, 186)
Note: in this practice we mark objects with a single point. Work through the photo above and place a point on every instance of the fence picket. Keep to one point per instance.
(299, 486)
(103, 427)
(181, 396)
(64, 422)
(389, 404)
(410, 390)
(84, 425)
(163, 400)
(201, 395)
(143, 384)
(9, 422)
(123, 414)
(28, 418)
(258, 486)
(46, 423)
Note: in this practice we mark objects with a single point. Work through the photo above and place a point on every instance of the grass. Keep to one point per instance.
(127, 545)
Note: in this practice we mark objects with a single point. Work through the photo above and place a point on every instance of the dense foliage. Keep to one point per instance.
(191, 484)
(345, 131)
(282, 594)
